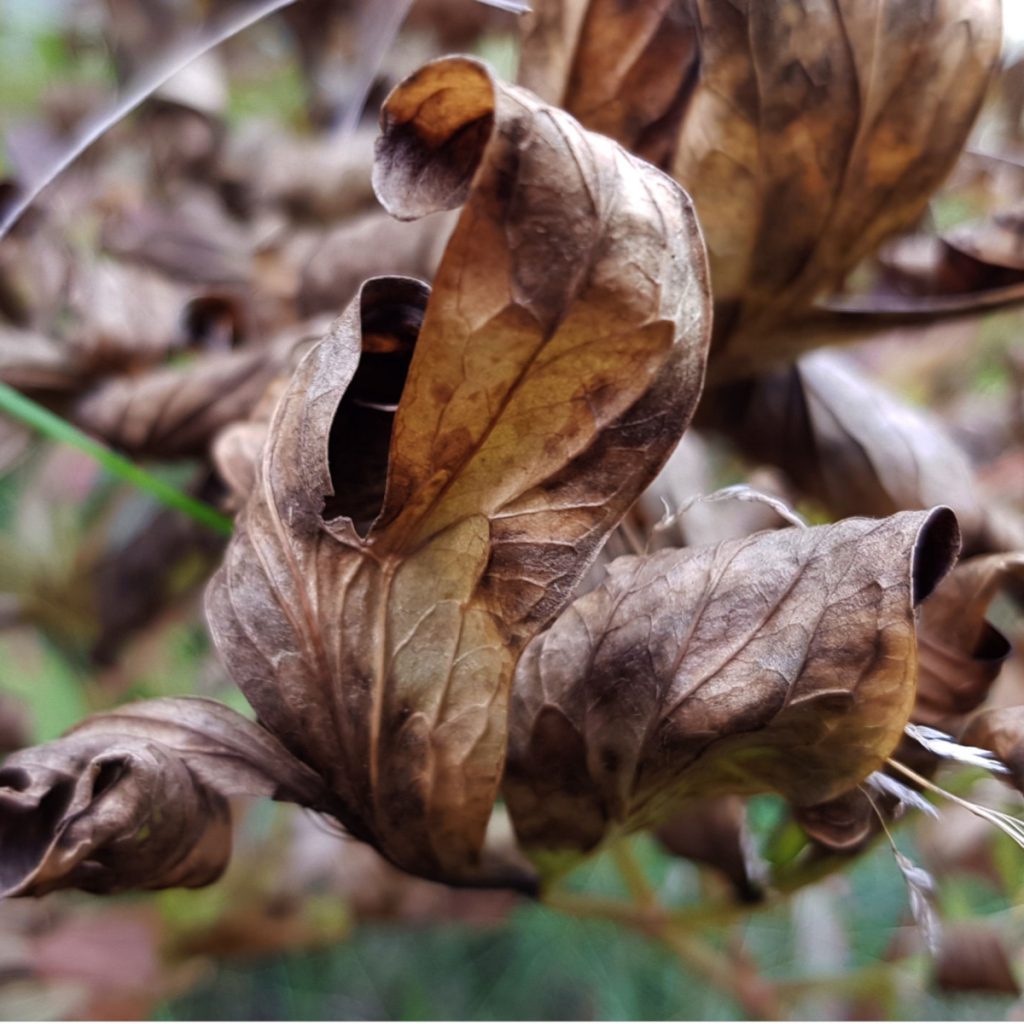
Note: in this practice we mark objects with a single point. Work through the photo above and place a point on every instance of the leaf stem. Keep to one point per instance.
(29, 412)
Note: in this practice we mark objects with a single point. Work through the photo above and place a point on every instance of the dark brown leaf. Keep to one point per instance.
(961, 652)
(815, 131)
(973, 958)
(782, 662)
(847, 443)
(714, 832)
(559, 360)
(136, 798)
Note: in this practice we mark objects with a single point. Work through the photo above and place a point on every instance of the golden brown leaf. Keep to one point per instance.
(815, 131)
(559, 360)
(782, 662)
(624, 70)
(136, 798)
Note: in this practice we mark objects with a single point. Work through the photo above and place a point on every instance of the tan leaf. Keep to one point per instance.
(782, 662)
(136, 798)
(847, 443)
(961, 652)
(559, 360)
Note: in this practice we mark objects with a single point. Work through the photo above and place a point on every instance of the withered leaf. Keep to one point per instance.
(1000, 730)
(191, 242)
(846, 442)
(624, 70)
(364, 247)
(973, 958)
(124, 315)
(37, 364)
(815, 130)
(961, 652)
(177, 410)
(818, 130)
(781, 662)
(136, 798)
(714, 832)
(559, 360)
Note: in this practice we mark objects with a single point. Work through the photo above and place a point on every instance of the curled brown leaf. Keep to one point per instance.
(137, 798)
(714, 832)
(559, 359)
(961, 652)
(814, 132)
(782, 662)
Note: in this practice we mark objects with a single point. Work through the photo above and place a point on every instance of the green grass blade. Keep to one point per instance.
(19, 407)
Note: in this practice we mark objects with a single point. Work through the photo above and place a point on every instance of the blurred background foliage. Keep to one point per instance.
(306, 924)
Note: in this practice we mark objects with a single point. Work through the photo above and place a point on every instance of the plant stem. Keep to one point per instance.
(740, 980)
(48, 424)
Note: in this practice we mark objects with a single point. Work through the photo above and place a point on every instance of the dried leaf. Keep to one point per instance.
(816, 129)
(1001, 730)
(847, 443)
(364, 247)
(36, 364)
(177, 410)
(961, 652)
(559, 360)
(193, 242)
(782, 662)
(973, 958)
(167, 558)
(714, 832)
(124, 315)
(136, 798)
(624, 70)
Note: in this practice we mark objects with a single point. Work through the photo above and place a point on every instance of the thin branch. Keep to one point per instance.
(179, 57)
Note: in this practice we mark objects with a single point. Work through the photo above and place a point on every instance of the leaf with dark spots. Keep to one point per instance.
(783, 662)
(136, 798)
(559, 359)
(814, 130)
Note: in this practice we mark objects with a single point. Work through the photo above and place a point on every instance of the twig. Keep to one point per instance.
(138, 92)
